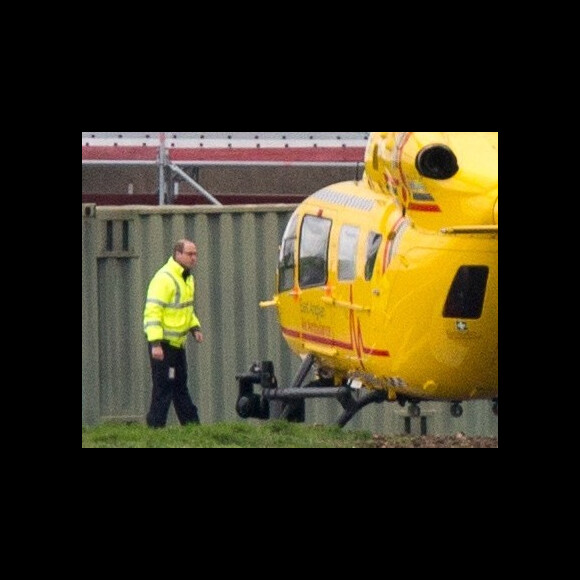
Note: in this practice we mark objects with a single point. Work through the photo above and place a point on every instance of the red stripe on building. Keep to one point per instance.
(120, 153)
(289, 155)
(309, 154)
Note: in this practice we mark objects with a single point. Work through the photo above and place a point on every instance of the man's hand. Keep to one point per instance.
(157, 353)
(198, 335)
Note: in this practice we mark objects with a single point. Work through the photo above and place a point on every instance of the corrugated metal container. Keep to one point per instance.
(122, 247)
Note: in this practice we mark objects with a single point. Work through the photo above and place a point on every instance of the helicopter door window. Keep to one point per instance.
(347, 250)
(314, 242)
(373, 244)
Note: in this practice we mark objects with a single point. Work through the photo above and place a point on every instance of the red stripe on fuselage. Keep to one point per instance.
(331, 342)
(426, 207)
(391, 238)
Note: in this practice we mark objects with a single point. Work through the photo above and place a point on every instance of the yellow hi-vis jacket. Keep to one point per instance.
(169, 313)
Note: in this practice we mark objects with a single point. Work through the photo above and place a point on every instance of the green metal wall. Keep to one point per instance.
(122, 247)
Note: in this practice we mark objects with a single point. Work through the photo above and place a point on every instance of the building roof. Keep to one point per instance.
(228, 148)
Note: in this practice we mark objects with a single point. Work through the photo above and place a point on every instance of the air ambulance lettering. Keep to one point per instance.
(309, 309)
(319, 330)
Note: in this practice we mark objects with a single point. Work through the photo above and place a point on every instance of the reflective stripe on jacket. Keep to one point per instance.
(169, 312)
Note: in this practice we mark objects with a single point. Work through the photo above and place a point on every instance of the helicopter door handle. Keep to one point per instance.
(347, 305)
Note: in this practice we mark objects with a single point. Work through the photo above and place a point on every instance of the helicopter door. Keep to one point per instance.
(313, 274)
(347, 295)
(371, 322)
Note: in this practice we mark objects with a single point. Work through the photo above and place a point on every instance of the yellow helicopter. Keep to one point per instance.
(389, 284)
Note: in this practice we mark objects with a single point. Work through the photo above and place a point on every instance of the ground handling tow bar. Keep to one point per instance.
(289, 403)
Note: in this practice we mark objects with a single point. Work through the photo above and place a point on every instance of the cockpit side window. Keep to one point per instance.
(286, 262)
(314, 241)
(347, 251)
(286, 266)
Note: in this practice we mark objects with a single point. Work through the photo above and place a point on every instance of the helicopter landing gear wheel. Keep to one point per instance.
(456, 410)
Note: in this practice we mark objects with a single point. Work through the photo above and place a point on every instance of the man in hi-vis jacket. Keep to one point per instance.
(168, 318)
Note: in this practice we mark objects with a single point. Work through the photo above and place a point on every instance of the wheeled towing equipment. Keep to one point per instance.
(289, 403)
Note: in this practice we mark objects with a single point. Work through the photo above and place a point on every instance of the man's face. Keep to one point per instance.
(188, 258)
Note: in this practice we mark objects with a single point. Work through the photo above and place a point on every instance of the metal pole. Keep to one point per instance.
(197, 186)
(162, 163)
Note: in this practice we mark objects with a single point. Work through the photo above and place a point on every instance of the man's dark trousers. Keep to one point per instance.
(170, 385)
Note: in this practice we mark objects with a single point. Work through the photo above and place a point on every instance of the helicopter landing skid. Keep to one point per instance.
(289, 403)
